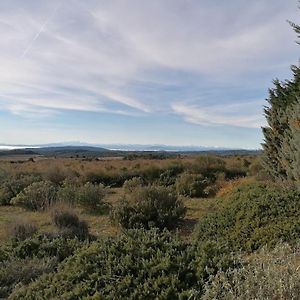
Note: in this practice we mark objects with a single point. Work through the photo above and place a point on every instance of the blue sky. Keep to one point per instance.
(177, 72)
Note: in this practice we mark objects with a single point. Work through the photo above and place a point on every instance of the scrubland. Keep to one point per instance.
(203, 227)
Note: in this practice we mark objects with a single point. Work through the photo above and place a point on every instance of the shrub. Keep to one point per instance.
(22, 261)
(21, 230)
(252, 216)
(150, 206)
(265, 275)
(168, 177)
(14, 185)
(69, 224)
(143, 264)
(139, 265)
(91, 196)
(208, 164)
(37, 196)
(131, 184)
(18, 272)
(192, 185)
(68, 192)
(55, 174)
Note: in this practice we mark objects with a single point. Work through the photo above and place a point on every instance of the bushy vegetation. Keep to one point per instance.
(282, 135)
(252, 216)
(264, 275)
(138, 265)
(22, 261)
(13, 185)
(91, 196)
(151, 206)
(192, 185)
(69, 224)
(37, 196)
(21, 230)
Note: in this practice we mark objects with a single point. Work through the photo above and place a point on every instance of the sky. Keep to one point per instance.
(176, 72)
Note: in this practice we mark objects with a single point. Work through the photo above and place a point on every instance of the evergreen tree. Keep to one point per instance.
(282, 135)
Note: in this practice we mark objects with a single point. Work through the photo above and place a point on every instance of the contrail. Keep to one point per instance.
(28, 48)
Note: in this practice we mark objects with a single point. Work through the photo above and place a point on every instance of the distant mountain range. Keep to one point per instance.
(120, 147)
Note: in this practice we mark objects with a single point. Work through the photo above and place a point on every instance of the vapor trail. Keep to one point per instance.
(30, 45)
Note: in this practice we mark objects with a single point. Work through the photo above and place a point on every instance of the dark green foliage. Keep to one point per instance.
(13, 185)
(282, 135)
(23, 261)
(37, 196)
(68, 192)
(18, 272)
(91, 196)
(139, 265)
(192, 185)
(252, 216)
(151, 206)
(168, 176)
(70, 225)
(208, 164)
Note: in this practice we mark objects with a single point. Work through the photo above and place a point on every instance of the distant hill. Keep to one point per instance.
(76, 151)
(93, 151)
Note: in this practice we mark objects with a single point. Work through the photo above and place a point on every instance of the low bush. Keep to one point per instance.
(131, 184)
(265, 275)
(69, 224)
(68, 192)
(207, 165)
(22, 261)
(18, 272)
(193, 185)
(91, 196)
(168, 176)
(55, 174)
(143, 264)
(13, 185)
(253, 215)
(149, 206)
(21, 230)
(37, 196)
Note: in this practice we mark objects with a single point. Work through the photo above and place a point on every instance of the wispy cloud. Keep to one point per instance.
(240, 115)
(138, 57)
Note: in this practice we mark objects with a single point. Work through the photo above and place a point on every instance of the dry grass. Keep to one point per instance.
(100, 225)
(227, 186)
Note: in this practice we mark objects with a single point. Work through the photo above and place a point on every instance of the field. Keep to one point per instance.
(171, 227)
(100, 224)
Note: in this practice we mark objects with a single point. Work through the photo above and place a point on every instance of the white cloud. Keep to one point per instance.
(92, 55)
(240, 115)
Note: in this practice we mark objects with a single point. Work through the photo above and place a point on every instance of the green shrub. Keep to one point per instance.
(265, 275)
(150, 206)
(69, 224)
(37, 196)
(14, 185)
(22, 261)
(252, 216)
(131, 184)
(21, 230)
(208, 164)
(192, 185)
(143, 264)
(91, 196)
(18, 272)
(68, 192)
(139, 265)
(168, 176)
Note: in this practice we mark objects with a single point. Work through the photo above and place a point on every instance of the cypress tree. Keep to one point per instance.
(282, 135)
